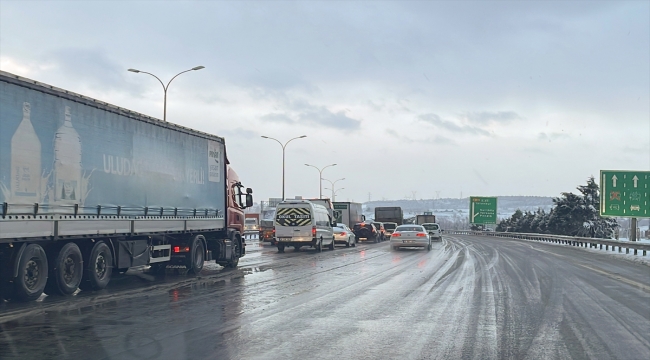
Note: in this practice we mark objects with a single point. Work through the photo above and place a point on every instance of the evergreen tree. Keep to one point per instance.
(578, 215)
(572, 214)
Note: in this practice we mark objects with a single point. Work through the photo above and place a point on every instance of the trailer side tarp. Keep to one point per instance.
(57, 150)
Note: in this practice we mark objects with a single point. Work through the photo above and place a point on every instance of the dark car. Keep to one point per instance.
(366, 231)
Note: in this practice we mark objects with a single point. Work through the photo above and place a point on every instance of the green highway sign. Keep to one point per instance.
(482, 210)
(625, 193)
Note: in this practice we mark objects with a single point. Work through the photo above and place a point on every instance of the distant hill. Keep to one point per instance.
(505, 204)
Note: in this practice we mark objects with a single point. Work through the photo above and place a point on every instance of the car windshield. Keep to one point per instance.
(431, 226)
(409, 228)
(390, 226)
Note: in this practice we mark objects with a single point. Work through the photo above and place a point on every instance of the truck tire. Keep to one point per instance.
(235, 254)
(98, 267)
(280, 248)
(32, 273)
(65, 270)
(197, 256)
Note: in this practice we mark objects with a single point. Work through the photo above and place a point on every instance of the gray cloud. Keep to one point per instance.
(278, 118)
(95, 69)
(320, 115)
(239, 133)
(437, 121)
(486, 117)
(552, 136)
(436, 140)
(303, 112)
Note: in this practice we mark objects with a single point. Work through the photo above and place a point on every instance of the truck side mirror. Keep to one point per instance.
(249, 191)
(249, 199)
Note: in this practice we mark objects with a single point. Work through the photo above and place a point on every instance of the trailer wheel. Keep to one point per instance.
(98, 267)
(65, 271)
(198, 255)
(32, 273)
(236, 251)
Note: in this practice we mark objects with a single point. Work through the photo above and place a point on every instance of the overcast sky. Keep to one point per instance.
(425, 98)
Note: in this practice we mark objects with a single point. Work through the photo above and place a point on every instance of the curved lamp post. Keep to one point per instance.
(320, 178)
(283, 147)
(333, 183)
(334, 193)
(165, 87)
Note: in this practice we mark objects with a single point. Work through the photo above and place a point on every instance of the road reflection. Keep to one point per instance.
(176, 323)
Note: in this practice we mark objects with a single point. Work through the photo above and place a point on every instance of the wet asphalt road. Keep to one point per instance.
(469, 298)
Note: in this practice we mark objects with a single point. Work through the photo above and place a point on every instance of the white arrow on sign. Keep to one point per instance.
(635, 179)
(614, 178)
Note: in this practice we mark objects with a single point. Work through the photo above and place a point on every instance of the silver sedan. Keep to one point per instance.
(343, 235)
(410, 236)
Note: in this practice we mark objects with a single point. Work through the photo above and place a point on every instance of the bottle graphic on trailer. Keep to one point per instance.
(25, 162)
(67, 163)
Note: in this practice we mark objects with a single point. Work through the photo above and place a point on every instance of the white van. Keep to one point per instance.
(301, 223)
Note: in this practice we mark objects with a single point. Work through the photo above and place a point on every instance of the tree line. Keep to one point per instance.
(572, 215)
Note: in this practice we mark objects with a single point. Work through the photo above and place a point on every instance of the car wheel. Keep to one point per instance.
(429, 247)
(332, 245)
(319, 246)
(347, 243)
(280, 248)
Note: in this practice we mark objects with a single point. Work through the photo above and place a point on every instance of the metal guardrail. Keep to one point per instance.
(566, 240)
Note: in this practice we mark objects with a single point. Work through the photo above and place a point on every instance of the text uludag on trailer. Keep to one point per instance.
(60, 152)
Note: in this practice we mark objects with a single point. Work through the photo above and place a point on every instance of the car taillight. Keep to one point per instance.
(274, 230)
(342, 233)
(313, 231)
(421, 234)
(396, 234)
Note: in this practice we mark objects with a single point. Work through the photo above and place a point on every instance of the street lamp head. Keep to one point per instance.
(134, 70)
(304, 136)
(333, 165)
(198, 67)
(266, 137)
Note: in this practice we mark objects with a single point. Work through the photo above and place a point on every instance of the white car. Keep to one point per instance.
(434, 231)
(344, 235)
(410, 236)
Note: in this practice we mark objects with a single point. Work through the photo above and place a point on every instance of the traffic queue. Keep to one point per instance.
(320, 224)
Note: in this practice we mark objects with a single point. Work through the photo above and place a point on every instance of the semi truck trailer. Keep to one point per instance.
(393, 214)
(348, 213)
(424, 219)
(88, 188)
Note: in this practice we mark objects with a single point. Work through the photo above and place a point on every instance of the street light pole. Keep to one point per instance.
(165, 87)
(334, 193)
(333, 183)
(283, 147)
(320, 178)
